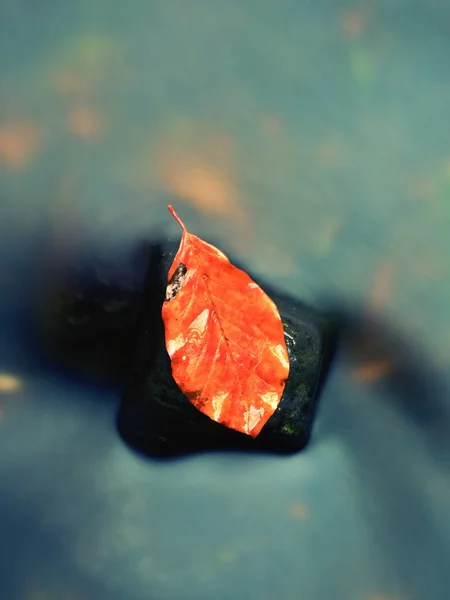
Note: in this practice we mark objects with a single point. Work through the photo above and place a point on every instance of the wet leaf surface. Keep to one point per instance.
(224, 336)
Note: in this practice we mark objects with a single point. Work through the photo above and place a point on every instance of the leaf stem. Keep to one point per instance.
(177, 218)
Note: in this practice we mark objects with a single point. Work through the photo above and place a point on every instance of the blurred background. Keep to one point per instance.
(311, 141)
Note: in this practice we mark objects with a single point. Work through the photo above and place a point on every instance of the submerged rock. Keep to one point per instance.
(101, 321)
(156, 418)
(85, 316)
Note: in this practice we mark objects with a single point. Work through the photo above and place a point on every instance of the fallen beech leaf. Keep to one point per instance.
(224, 336)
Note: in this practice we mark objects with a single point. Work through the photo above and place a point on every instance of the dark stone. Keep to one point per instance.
(96, 320)
(85, 316)
(157, 419)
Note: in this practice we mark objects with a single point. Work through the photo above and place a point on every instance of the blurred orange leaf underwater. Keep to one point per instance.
(194, 179)
(18, 142)
(382, 285)
(373, 371)
(85, 122)
(299, 510)
(354, 22)
(201, 186)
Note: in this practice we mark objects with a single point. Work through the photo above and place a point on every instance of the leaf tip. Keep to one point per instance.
(176, 217)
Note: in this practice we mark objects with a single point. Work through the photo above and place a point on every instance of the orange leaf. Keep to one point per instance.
(18, 141)
(84, 122)
(373, 371)
(205, 187)
(299, 510)
(201, 173)
(354, 23)
(224, 336)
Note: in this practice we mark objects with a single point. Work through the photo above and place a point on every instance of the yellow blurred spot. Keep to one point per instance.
(18, 141)
(9, 383)
(373, 371)
(93, 50)
(87, 63)
(85, 122)
(363, 64)
(299, 510)
(226, 556)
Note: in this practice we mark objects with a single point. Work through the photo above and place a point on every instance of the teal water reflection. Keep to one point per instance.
(312, 141)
